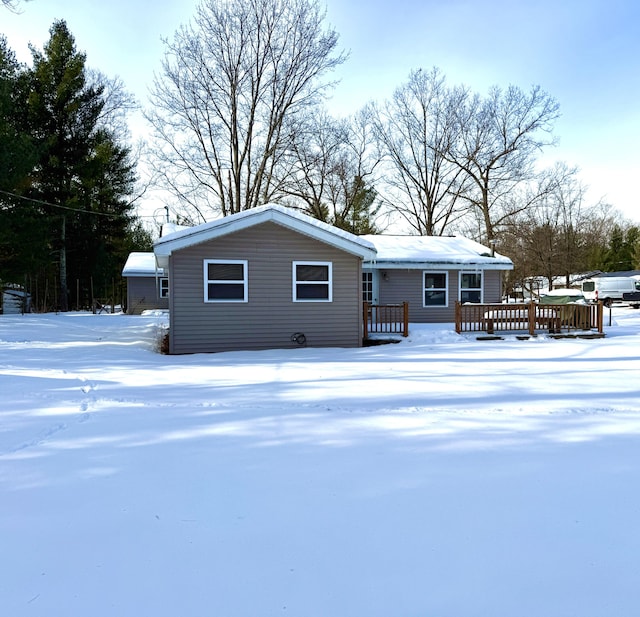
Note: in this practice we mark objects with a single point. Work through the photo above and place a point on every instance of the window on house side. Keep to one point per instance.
(225, 280)
(470, 287)
(436, 291)
(164, 287)
(367, 287)
(312, 281)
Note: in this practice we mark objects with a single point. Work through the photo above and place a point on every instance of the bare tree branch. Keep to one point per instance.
(232, 81)
(13, 5)
(332, 167)
(496, 146)
(414, 131)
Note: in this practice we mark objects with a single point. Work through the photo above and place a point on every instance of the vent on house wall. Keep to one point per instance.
(299, 338)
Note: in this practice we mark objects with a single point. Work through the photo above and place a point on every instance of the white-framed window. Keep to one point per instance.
(367, 287)
(163, 287)
(471, 287)
(435, 289)
(312, 281)
(226, 280)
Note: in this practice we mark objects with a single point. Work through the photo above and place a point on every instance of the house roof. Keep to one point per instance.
(171, 228)
(377, 251)
(450, 252)
(280, 215)
(141, 264)
(624, 273)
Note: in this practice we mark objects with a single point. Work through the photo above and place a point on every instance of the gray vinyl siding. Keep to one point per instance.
(492, 286)
(270, 317)
(142, 295)
(406, 286)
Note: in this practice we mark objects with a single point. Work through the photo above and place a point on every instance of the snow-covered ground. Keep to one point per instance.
(439, 477)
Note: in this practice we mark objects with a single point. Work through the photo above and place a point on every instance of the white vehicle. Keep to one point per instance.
(609, 289)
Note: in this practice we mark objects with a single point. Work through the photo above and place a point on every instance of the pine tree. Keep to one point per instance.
(19, 227)
(63, 111)
(82, 173)
(621, 250)
(356, 208)
(361, 207)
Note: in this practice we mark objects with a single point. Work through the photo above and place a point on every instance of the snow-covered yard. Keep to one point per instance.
(439, 477)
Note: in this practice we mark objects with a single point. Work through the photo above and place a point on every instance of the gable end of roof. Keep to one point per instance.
(280, 215)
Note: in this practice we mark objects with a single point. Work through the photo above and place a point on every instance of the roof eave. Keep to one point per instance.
(221, 227)
(143, 273)
(430, 265)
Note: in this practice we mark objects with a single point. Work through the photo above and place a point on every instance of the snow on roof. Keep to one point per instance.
(171, 228)
(378, 251)
(141, 264)
(287, 217)
(564, 291)
(434, 251)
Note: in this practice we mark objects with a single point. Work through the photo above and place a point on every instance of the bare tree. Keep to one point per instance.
(332, 170)
(231, 81)
(415, 131)
(556, 237)
(315, 142)
(118, 103)
(497, 142)
(12, 5)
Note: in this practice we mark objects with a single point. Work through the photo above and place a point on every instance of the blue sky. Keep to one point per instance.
(585, 53)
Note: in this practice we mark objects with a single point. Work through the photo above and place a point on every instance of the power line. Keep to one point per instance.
(46, 203)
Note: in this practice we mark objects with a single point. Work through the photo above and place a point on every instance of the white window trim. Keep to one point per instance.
(446, 289)
(367, 280)
(295, 281)
(245, 281)
(481, 288)
(162, 288)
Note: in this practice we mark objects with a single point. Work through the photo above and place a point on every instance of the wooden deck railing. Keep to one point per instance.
(532, 317)
(386, 319)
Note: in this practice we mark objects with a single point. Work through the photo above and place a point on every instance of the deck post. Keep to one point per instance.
(600, 317)
(365, 320)
(458, 316)
(405, 318)
(532, 318)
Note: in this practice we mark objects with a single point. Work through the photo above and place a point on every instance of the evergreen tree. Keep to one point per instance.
(620, 254)
(83, 176)
(103, 241)
(19, 226)
(632, 246)
(63, 112)
(636, 255)
(360, 209)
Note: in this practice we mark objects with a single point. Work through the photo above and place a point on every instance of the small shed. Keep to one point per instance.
(14, 299)
(147, 285)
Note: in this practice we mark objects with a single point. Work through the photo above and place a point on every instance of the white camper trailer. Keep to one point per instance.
(609, 289)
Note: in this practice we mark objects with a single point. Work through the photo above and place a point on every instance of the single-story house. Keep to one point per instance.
(272, 277)
(147, 285)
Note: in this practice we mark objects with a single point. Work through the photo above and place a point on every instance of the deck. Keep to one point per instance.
(532, 318)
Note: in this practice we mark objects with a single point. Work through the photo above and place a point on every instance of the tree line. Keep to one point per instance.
(240, 118)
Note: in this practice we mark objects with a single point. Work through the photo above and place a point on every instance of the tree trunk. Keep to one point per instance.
(64, 295)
